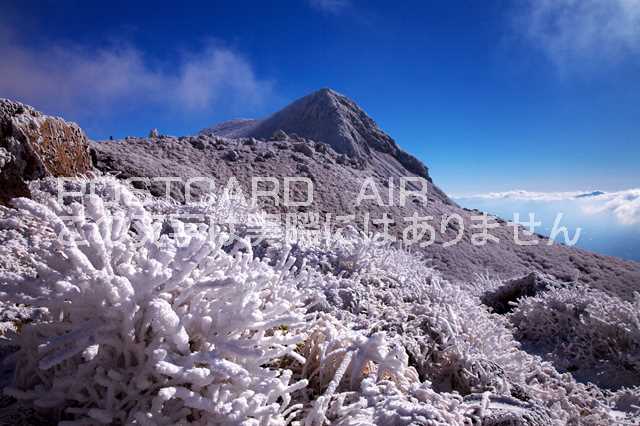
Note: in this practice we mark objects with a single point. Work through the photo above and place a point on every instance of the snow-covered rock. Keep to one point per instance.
(34, 146)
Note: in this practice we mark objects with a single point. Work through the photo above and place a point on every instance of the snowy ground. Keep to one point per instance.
(139, 320)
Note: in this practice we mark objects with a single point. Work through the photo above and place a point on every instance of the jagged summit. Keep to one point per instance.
(330, 117)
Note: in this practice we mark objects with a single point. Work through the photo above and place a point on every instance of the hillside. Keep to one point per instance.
(363, 151)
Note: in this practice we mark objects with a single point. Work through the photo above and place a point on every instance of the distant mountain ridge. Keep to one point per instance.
(591, 194)
(329, 117)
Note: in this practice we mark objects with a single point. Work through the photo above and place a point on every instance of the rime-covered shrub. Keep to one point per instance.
(347, 252)
(151, 328)
(457, 347)
(588, 332)
(152, 317)
(227, 210)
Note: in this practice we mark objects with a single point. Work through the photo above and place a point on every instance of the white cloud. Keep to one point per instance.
(624, 205)
(75, 80)
(331, 6)
(570, 30)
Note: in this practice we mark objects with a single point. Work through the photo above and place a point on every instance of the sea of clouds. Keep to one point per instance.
(609, 221)
(624, 205)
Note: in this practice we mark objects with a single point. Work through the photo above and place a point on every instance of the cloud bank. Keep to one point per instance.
(578, 30)
(71, 79)
(624, 205)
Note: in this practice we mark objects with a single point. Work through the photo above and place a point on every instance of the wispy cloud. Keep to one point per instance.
(575, 31)
(335, 7)
(76, 80)
(624, 205)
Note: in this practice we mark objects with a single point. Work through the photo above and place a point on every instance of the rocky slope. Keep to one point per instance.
(326, 137)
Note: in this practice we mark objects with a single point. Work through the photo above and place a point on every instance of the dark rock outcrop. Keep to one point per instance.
(34, 146)
(501, 299)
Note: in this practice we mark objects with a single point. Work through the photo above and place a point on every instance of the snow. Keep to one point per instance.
(143, 324)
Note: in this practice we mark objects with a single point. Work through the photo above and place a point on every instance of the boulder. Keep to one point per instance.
(298, 159)
(322, 148)
(232, 156)
(279, 135)
(268, 154)
(303, 148)
(35, 146)
(198, 143)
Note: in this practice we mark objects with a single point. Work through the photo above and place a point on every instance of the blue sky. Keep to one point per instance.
(538, 95)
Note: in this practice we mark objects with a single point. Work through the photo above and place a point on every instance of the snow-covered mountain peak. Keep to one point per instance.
(330, 117)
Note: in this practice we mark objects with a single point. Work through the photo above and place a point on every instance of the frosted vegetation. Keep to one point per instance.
(135, 320)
